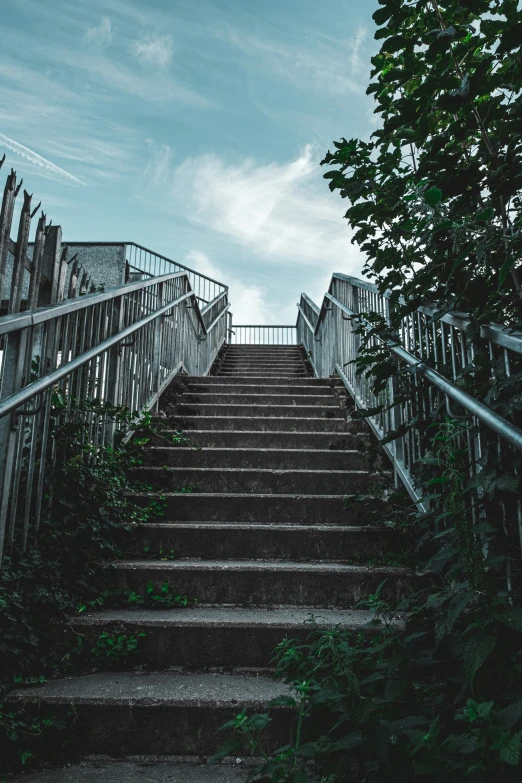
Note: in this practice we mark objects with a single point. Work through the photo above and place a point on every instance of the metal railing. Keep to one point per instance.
(245, 334)
(140, 262)
(122, 346)
(432, 352)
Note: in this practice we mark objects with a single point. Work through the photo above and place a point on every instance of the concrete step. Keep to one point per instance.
(143, 771)
(255, 423)
(255, 458)
(238, 398)
(332, 441)
(266, 509)
(262, 583)
(262, 365)
(261, 379)
(255, 389)
(228, 541)
(259, 480)
(292, 411)
(168, 713)
(266, 373)
(216, 637)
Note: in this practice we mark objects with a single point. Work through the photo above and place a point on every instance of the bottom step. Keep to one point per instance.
(128, 772)
(165, 714)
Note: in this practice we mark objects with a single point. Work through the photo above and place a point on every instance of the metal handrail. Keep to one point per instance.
(434, 348)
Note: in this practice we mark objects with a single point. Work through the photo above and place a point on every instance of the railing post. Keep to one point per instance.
(14, 366)
(114, 365)
(157, 345)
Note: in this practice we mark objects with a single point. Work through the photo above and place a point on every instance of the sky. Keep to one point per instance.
(194, 128)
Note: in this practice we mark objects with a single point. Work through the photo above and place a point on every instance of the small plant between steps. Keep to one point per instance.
(89, 508)
(436, 697)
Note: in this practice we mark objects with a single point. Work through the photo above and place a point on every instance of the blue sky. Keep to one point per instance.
(194, 128)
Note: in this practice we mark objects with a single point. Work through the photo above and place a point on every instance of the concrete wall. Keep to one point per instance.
(104, 262)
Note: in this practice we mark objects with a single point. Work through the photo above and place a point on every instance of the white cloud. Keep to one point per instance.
(100, 35)
(158, 168)
(248, 300)
(156, 51)
(283, 213)
(34, 158)
(327, 65)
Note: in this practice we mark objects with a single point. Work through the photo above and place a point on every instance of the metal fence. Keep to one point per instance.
(431, 354)
(262, 335)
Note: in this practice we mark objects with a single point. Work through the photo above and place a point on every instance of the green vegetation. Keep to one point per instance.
(89, 513)
(435, 204)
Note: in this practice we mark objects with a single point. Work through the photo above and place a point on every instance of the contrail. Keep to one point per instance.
(33, 157)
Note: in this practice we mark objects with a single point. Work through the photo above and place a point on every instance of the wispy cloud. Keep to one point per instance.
(318, 63)
(37, 160)
(281, 212)
(249, 301)
(155, 51)
(100, 35)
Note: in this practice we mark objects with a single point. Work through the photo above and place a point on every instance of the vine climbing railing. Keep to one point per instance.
(118, 347)
(437, 375)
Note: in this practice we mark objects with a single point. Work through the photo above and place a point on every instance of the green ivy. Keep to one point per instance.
(89, 517)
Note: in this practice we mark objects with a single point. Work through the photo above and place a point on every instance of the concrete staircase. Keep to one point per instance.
(264, 541)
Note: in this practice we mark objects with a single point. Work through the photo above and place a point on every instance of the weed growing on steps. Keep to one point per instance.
(436, 696)
(89, 509)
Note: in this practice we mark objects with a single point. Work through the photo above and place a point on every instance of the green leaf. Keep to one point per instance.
(477, 651)
(432, 196)
(506, 268)
(510, 753)
(485, 215)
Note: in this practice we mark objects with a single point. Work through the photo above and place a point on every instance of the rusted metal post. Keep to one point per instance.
(36, 268)
(6, 220)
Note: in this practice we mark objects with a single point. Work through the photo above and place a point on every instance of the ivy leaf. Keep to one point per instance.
(433, 196)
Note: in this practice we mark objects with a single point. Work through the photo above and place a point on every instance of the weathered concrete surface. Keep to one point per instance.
(133, 772)
(164, 713)
(278, 459)
(253, 399)
(259, 480)
(258, 423)
(293, 411)
(258, 583)
(267, 509)
(206, 540)
(255, 439)
(216, 637)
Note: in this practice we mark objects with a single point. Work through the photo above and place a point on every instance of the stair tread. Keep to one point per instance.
(155, 689)
(254, 565)
(142, 771)
(230, 617)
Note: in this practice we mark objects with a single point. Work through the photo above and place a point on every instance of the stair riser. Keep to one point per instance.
(259, 424)
(291, 411)
(242, 458)
(264, 588)
(294, 400)
(265, 509)
(255, 389)
(286, 373)
(126, 729)
(209, 380)
(294, 545)
(289, 482)
(197, 647)
(272, 440)
(261, 365)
